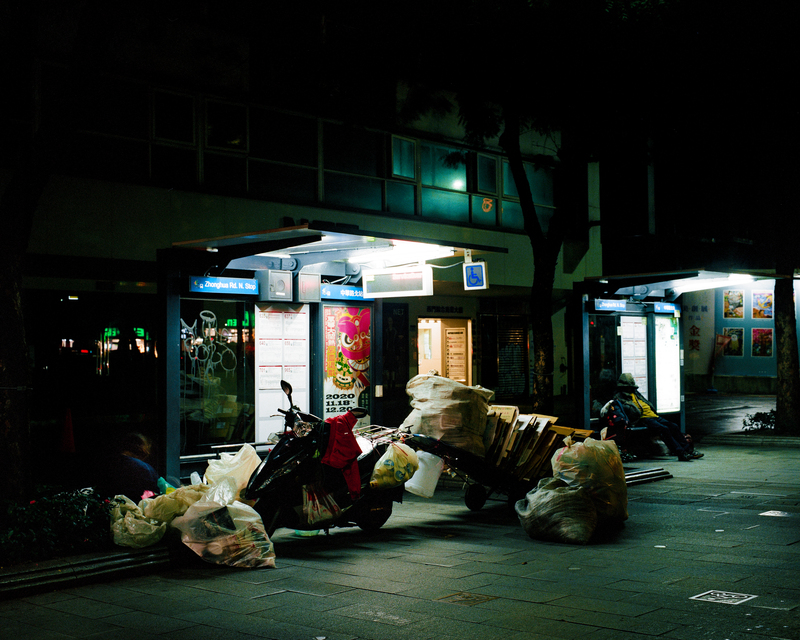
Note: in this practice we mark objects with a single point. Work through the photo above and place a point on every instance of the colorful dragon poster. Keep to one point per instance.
(347, 358)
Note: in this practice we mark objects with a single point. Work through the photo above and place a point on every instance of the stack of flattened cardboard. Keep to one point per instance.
(522, 445)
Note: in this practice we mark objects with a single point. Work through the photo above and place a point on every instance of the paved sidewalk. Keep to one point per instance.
(711, 553)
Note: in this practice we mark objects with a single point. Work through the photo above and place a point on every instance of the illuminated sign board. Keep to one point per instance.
(341, 292)
(609, 305)
(238, 286)
(475, 276)
(401, 281)
(665, 307)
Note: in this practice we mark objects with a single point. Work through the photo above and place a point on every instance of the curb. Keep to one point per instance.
(75, 570)
(750, 440)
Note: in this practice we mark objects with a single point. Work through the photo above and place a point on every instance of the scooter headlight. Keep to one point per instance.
(301, 428)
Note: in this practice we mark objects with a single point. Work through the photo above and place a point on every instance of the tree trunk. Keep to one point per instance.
(787, 409)
(545, 256)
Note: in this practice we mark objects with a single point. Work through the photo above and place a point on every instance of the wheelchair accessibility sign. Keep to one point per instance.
(475, 276)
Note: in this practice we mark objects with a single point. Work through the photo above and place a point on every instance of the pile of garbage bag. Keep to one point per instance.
(211, 519)
(587, 490)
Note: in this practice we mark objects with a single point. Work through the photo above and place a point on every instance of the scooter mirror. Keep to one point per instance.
(287, 388)
(358, 412)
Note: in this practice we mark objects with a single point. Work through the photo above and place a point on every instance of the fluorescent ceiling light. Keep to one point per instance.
(701, 284)
(403, 252)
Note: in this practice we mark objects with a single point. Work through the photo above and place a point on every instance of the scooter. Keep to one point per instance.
(280, 485)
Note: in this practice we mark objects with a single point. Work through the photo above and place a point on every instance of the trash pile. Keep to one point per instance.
(587, 490)
(211, 519)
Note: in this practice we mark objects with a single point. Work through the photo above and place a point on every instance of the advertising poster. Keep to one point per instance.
(733, 304)
(736, 346)
(762, 305)
(347, 358)
(762, 343)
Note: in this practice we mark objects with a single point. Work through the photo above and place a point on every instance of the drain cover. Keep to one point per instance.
(468, 599)
(723, 597)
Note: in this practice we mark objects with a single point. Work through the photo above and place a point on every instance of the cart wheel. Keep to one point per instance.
(475, 497)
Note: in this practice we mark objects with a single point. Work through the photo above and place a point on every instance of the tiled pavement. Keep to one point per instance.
(438, 570)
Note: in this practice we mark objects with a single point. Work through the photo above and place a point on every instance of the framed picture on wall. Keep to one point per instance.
(762, 343)
(762, 305)
(733, 303)
(736, 346)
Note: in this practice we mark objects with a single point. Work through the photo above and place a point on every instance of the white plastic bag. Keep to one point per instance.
(232, 534)
(131, 528)
(596, 466)
(239, 466)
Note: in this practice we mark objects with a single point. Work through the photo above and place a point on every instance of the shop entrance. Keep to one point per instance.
(445, 345)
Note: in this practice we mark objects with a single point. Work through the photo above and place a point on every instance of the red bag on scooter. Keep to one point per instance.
(318, 506)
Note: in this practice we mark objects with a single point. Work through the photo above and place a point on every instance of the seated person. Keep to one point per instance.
(129, 474)
(615, 428)
(641, 412)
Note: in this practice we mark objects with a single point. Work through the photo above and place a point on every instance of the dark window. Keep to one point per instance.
(512, 215)
(276, 136)
(540, 181)
(349, 191)
(487, 174)
(226, 126)
(116, 107)
(445, 205)
(400, 198)
(279, 182)
(224, 174)
(404, 158)
(174, 117)
(353, 150)
(174, 167)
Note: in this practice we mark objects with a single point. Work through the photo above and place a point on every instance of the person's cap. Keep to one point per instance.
(626, 380)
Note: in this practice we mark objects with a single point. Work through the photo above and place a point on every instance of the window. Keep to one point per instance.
(352, 150)
(174, 117)
(443, 167)
(487, 174)
(512, 215)
(540, 181)
(174, 167)
(224, 174)
(445, 205)
(226, 126)
(484, 210)
(283, 183)
(404, 158)
(400, 198)
(351, 191)
(281, 137)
